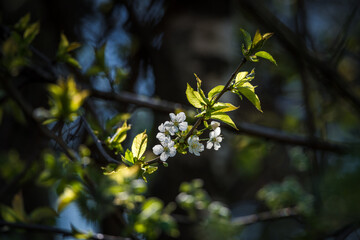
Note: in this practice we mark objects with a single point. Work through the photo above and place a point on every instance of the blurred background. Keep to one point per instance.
(291, 172)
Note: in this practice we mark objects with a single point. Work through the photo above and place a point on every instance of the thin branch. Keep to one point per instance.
(265, 216)
(98, 143)
(324, 72)
(244, 127)
(27, 109)
(54, 230)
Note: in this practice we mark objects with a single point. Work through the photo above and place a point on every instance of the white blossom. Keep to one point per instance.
(214, 125)
(178, 121)
(165, 131)
(165, 150)
(195, 147)
(215, 139)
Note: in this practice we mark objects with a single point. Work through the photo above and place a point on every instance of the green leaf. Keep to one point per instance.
(23, 22)
(200, 98)
(72, 46)
(223, 107)
(246, 38)
(240, 76)
(31, 32)
(8, 214)
(248, 91)
(148, 169)
(224, 118)
(129, 158)
(18, 206)
(72, 61)
(66, 198)
(215, 91)
(191, 97)
(257, 39)
(41, 214)
(139, 144)
(63, 45)
(266, 55)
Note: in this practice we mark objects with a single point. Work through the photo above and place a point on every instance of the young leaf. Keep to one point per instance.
(266, 55)
(200, 98)
(139, 145)
(223, 107)
(31, 32)
(246, 38)
(215, 91)
(224, 118)
(193, 100)
(248, 91)
(23, 22)
(240, 76)
(128, 158)
(257, 39)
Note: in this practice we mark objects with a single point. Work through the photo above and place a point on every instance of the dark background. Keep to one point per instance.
(311, 101)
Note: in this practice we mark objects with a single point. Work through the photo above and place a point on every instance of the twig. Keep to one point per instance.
(265, 216)
(27, 109)
(54, 230)
(98, 143)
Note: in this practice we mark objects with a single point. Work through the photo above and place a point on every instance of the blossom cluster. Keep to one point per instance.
(168, 129)
(176, 127)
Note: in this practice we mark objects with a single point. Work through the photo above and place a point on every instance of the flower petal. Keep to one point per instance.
(181, 117)
(172, 117)
(209, 145)
(164, 156)
(158, 149)
(217, 131)
(183, 126)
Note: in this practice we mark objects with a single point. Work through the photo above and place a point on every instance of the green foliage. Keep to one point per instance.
(154, 218)
(65, 100)
(289, 193)
(139, 145)
(243, 87)
(16, 48)
(250, 48)
(64, 49)
(114, 143)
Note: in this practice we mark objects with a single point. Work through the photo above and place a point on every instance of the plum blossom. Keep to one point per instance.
(195, 147)
(165, 131)
(165, 150)
(178, 122)
(215, 139)
(214, 125)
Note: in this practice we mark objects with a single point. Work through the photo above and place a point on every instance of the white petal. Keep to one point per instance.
(170, 144)
(183, 126)
(201, 148)
(217, 146)
(211, 135)
(172, 152)
(214, 125)
(209, 145)
(217, 131)
(196, 153)
(160, 136)
(172, 117)
(181, 117)
(219, 139)
(161, 128)
(158, 149)
(164, 156)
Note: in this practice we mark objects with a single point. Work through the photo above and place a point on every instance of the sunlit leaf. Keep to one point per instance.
(224, 118)
(31, 32)
(223, 107)
(139, 145)
(193, 100)
(248, 91)
(257, 39)
(266, 55)
(215, 91)
(128, 158)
